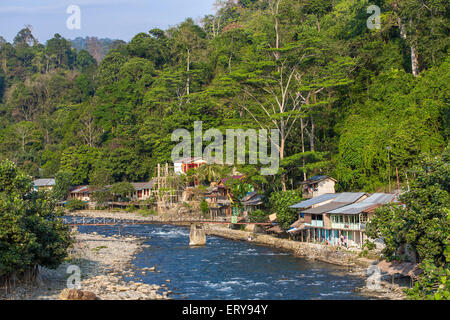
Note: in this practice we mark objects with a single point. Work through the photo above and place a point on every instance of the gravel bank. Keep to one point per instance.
(103, 262)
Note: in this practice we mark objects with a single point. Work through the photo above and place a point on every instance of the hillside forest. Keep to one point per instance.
(355, 103)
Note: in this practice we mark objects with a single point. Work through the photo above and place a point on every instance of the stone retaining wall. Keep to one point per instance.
(309, 251)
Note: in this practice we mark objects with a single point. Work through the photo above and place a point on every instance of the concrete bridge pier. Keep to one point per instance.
(198, 235)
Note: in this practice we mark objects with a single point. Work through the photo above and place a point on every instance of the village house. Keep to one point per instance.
(299, 225)
(143, 190)
(43, 184)
(343, 218)
(251, 202)
(317, 186)
(351, 220)
(184, 165)
(82, 193)
(317, 224)
(220, 199)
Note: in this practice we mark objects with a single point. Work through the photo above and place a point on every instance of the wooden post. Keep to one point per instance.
(361, 239)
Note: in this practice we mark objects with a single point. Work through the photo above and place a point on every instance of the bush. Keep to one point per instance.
(204, 207)
(122, 190)
(369, 245)
(147, 212)
(131, 208)
(30, 232)
(258, 216)
(280, 203)
(75, 204)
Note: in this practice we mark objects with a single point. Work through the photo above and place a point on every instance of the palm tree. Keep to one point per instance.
(212, 172)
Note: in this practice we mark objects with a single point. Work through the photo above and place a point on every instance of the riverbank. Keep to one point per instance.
(103, 262)
(346, 258)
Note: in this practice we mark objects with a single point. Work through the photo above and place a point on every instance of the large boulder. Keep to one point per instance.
(74, 294)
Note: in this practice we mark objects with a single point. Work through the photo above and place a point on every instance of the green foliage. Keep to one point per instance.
(130, 208)
(280, 202)
(258, 216)
(122, 189)
(101, 196)
(204, 207)
(79, 162)
(339, 92)
(30, 233)
(75, 205)
(433, 284)
(369, 245)
(63, 182)
(147, 212)
(423, 224)
(402, 113)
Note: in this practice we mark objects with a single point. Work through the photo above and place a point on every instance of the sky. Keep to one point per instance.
(115, 19)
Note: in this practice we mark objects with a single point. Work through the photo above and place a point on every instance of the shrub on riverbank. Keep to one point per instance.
(75, 204)
(30, 233)
(423, 225)
(258, 216)
(280, 203)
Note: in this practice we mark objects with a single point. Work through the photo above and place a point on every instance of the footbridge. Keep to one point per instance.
(99, 221)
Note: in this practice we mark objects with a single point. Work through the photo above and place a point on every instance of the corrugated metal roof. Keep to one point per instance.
(327, 207)
(313, 201)
(349, 197)
(189, 160)
(342, 200)
(225, 180)
(317, 179)
(255, 202)
(380, 198)
(249, 196)
(375, 200)
(44, 182)
(80, 189)
(143, 185)
(354, 208)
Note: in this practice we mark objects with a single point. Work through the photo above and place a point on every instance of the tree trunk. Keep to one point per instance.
(283, 175)
(414, 56)
(302, 129)
(188, 69)
(275, 11)
(414, 61)
(313, 135)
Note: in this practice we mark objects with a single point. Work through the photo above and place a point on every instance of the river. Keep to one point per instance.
(231, 270)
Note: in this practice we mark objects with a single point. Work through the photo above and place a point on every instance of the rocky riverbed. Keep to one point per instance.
(103, 262)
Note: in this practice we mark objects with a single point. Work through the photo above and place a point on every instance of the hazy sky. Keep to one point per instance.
(116, 19)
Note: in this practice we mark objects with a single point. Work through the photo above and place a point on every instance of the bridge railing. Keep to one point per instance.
(73, 220)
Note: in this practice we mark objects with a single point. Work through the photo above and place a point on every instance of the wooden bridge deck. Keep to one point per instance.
(88, 221)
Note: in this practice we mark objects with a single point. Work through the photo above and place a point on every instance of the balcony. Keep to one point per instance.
(317, 223)
(347, 226)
